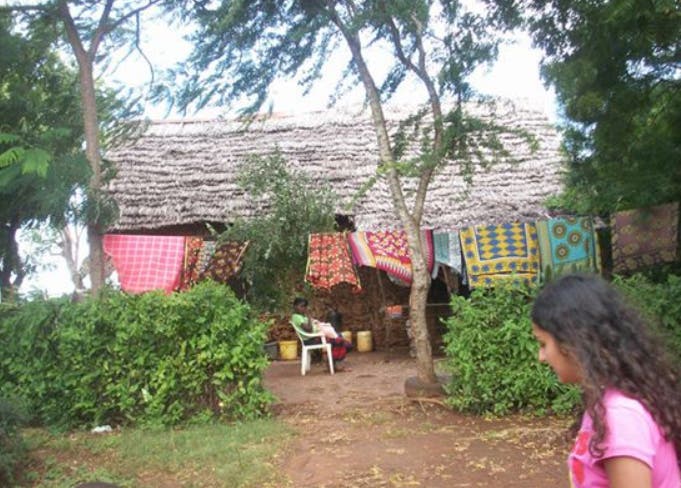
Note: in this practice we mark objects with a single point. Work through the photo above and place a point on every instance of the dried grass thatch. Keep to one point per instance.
(184, 172)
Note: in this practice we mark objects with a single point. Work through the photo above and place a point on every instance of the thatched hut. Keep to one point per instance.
(178, 175)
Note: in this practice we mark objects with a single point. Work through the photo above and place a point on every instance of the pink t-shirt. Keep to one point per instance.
(632, 432)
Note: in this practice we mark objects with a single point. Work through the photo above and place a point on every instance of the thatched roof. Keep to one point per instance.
(183, 172)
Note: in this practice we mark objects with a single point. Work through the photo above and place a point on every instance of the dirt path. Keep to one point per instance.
(355, 429)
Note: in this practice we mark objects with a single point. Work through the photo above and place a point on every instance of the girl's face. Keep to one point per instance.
(552, 353)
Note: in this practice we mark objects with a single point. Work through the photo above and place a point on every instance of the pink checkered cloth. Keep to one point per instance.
(146, 263)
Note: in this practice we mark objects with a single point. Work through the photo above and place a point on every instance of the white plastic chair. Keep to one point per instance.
(305, 358)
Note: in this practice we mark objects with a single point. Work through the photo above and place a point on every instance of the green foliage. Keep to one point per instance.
(12, 448)
(492, 353)
(492, 356)
(151, 358)
(40, 136)
(660, 304)
(291, 208)
(614, 66)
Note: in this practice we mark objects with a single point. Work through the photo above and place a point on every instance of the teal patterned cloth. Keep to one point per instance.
(567, 245)
(447, 249)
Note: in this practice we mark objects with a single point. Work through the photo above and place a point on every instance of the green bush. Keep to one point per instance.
(147, 359)
(12, 449)
(492, 356)
(660, 303)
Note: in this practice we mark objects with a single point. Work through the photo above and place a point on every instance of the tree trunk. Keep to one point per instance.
(91, 129)
(421, 280)
(11, 264)
(92, 152)
(418, 298)
(69, 250)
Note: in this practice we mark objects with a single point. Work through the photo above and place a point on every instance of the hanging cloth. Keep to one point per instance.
(146, 263)
(500, 252)
(329, 262)
(226, 262)
(205, 256)
(566, 245)
(644, 237)
(389, 251)
(190, 269)
(447, 250)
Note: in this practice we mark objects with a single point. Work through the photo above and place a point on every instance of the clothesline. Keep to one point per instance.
(530, 251)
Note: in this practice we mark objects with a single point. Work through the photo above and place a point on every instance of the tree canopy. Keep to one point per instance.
(616, 67)
(44, 162)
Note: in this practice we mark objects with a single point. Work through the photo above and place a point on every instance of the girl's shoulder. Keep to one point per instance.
(613, 398)
(622, 407)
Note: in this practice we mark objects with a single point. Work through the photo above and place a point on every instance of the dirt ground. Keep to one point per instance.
(356, 429)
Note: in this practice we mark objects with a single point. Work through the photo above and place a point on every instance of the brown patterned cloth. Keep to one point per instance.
(190, 269)
(644, 237)
(329, 262)
(226, 262)
(205, 256)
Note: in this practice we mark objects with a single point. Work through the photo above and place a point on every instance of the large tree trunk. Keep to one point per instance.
(421, 280)
(92, 151)
(91, 129)
(418, 298)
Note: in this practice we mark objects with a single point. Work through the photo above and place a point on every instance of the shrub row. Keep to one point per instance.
(144, 359)
(492, 353)
(12, 448)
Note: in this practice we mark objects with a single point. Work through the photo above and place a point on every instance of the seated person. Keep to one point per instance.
(339, 346)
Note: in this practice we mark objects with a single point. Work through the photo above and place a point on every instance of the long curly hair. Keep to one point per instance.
(614, 348)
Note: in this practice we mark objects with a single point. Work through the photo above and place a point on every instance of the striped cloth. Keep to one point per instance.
(566, 245)
(644, 237)
(389, 251)
(329, 262)
(500, 252)
(146, 263)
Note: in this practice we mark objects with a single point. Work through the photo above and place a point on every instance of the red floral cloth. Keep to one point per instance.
(329, 262)
(146, 263)
(190, 270)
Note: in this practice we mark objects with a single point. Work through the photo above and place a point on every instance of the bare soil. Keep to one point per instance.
(357, 429)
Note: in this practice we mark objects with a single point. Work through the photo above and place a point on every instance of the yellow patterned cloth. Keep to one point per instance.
(500, 252)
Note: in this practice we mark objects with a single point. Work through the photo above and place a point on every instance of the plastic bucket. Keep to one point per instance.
(288, 350)
(271, 350)
(364, 343)
(347, 335)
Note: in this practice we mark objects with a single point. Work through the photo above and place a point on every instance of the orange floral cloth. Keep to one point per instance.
(329, 262)
(388, 251)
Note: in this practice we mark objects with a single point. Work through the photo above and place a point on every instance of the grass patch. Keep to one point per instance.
(238, 455)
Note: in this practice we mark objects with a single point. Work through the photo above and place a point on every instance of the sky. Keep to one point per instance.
(514, 75)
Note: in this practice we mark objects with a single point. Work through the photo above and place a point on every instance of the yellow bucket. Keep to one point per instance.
(347, 335)
(288, 350)
(364, 343)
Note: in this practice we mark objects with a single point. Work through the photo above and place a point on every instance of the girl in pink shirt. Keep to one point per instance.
(628, 434)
